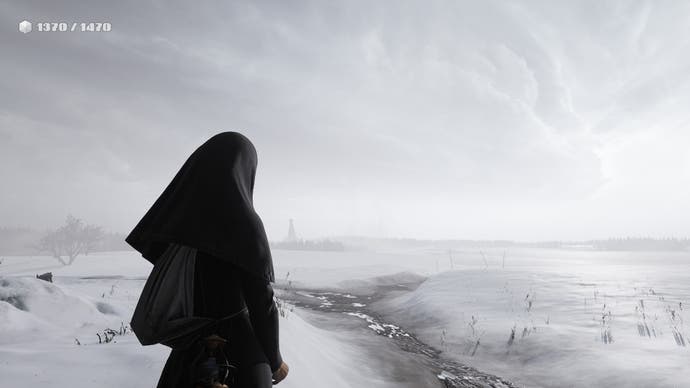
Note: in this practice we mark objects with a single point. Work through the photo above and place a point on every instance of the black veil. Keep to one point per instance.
(209, 206)
(206, 207)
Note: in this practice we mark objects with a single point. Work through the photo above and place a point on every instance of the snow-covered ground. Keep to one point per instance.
(559, 319)
(41, 325)
(579, 318)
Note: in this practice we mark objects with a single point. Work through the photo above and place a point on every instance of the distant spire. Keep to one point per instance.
(291, 232)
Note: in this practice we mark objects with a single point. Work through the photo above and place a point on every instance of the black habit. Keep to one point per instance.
(205, 239)
(209, 206)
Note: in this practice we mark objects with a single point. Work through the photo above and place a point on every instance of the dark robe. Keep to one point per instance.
(205, 217)
(221, 289)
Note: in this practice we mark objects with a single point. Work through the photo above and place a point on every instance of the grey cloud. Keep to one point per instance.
(371, 107)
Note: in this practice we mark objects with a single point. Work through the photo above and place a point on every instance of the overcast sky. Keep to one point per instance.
(527, 120)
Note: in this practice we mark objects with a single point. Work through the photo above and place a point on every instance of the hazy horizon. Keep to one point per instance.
(524, 121)
(284, 236)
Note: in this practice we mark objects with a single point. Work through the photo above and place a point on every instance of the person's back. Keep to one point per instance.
(208, 210)
(222, 289)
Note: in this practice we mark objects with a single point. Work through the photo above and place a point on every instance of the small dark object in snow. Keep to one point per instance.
(48, 277)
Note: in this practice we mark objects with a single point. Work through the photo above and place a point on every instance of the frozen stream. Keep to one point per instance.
(449, 373)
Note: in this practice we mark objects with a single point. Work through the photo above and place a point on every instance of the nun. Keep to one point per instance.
(209, 295)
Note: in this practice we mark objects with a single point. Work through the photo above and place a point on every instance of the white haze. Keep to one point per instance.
(526, 120)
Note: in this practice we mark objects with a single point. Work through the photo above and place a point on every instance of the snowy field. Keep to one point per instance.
(49, 332)
(559, 318)
(536, 317)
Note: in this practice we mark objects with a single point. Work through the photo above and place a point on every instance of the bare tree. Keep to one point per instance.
(71, 235)
(71, 239)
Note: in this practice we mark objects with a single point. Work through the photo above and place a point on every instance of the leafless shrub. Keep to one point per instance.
(676, 323)
(443, 342)
(475, 335)
(511, 338)
(284, 308)
(605, 325)
(70, 240)
(108, 335)
(474, 349)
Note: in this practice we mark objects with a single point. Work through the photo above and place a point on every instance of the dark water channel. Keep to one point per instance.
(449, 373)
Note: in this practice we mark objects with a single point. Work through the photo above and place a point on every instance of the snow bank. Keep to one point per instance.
(545, 329)
(34, 300)
(15, 323)
(41, 322)
(37, 349)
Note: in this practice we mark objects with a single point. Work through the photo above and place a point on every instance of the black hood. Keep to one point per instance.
(209, 206)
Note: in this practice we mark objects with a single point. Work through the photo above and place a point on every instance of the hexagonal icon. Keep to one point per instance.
(25, 26)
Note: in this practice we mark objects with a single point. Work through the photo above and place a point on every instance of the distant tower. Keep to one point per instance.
(291, 232)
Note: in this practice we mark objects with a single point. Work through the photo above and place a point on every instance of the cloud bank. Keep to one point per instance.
(442, 119)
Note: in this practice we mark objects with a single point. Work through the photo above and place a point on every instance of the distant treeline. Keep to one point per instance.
(642, 244)
(618, 244)
(309, 245)
(25, 241)
(611, 244)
